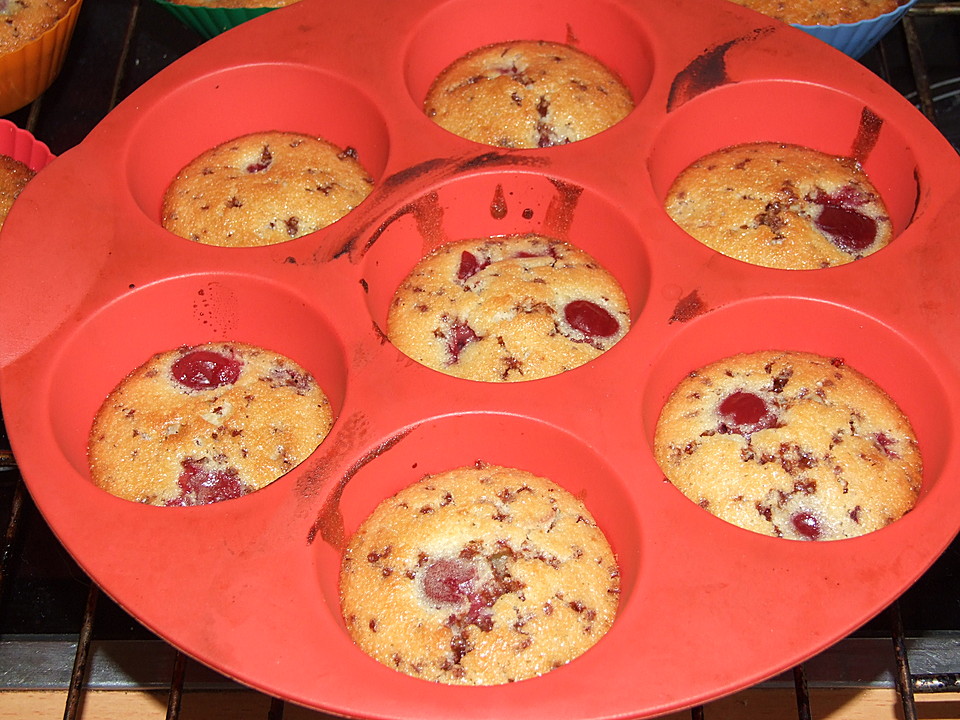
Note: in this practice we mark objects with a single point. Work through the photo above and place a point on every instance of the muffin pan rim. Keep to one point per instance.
(227, 654)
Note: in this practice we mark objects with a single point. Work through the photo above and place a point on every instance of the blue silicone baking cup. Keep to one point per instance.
(855, 39)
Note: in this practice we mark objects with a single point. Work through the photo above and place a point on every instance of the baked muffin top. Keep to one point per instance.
(527, 94)
(22, 21)
(14, 176)
(789, 444)
(780, 206)
(264, 188)
(507, 309)
(822, 12)
(205, 423)
(479, 575)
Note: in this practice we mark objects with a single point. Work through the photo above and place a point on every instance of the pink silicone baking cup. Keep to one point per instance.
(21, 145)
(27, 72)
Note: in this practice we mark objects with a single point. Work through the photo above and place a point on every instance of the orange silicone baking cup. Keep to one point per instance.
(25, 73)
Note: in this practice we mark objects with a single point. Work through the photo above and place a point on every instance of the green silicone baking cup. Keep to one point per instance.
(209, 21)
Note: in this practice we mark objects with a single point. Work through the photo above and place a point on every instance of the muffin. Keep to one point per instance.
(207, 423)
(264, 188)
(34, 38)
(822, 12)
(23, 21)
(527, 94)
(506, 309)
(791, 445)
(479, 575)
(780, 206)
(14, 176)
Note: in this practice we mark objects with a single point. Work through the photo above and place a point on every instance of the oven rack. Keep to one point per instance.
(94, 654)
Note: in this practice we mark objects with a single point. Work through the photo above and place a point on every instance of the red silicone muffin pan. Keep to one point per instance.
(92, 286)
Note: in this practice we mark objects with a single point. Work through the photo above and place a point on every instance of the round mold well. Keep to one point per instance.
(821, 118)
(498, 204)
(445, 443)
(214, 108)
(180, 311)
(880, 352)
(601, 29)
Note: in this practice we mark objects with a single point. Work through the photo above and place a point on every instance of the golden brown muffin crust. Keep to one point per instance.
(14, 176)
(527, 94)
(789, 444)
(23, 21)
(479, 575)
(822, 12)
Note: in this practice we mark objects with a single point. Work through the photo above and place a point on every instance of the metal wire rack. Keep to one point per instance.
(62, 635)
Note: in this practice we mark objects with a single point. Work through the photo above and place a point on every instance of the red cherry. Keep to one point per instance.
(264, 163)
(469, 266)
(849, 230)
(449, 581)
(202, 486)
(886, 444)
(744, 413)
(204, 370)
(590, 319)
(847, 196)
(807, 524)
(548, 251)
(458, 338)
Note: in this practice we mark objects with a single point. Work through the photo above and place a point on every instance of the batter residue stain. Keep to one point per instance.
(215, 307)
(496, 159)
(688, 307)
(498, 207)
(867, 134)
(706, 71)
(561, 209)
(329, 523)
(427, 213)
(441, 169)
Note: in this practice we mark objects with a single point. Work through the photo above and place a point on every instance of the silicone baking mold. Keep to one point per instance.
(92, 286)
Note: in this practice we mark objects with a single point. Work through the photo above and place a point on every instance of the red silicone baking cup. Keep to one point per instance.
(92, 285)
